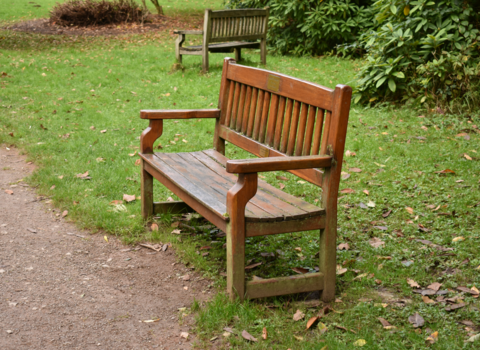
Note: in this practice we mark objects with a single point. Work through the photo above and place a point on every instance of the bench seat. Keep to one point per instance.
(202, 179)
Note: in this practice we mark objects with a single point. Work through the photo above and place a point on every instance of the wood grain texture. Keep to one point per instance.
(258, 115)
(286, 126)
(263, 121)
(317, 135)
(285, 285)
(272, 119)
(309, 131)
(253, 108)
(302, 125)
(239, 166)
(179, 113)
(279, 126)
(293, 128)
(241, 108)
(246, 110)
(150, 135)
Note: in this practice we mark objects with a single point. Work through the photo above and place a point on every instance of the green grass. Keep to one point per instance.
(57, 88)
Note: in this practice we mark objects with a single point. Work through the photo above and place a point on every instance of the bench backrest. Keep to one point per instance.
(232, 25)
(270, 114)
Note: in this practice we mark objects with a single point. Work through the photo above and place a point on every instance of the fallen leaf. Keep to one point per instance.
(264, 333)
(283, 178)
(407, 263)
(446, 171)
(298, 337)
(350, 154)
(360, 342)
(412, 283)
(383, 228)
(298, 315)
(341, 271)
(468, 290)
(300, 270)
(376, 242)
(151, 321)
(65, 213)
(474, 338)
(53, 187)
(184, 335)
(103, 131)
(355, 170)
(458, 239)
(282, 186)
(138, 162)
(105, 238)
(371, 204)
(60, 177)
(347, 190)
(410, 210)
(385, 323)
(32, 230)
(170, 199)
(455, 306)
(435, 286)
(467, 157)
(366, 192)
(416, 320)
(9, 192)
(176, 232)
(432, 338)
(427, 300)
(83, 176)
(248, 336)
(252, 266)
(344, 246)
(345, 175)
(128, 198)
(359, 277)
(312, 320)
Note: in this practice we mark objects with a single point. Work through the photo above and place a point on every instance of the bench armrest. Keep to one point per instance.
(194, 32)
(179, 113)
(243, 166)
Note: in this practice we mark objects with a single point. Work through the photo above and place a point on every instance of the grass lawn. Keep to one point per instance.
(72, 104)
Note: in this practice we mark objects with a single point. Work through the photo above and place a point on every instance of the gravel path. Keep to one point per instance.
(62, 288)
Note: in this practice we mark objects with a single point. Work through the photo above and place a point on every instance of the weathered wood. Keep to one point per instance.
(237, 199)
(177, 207)
(274, 117)
(285, 285)
(226, 31)
(257, 165)
(179, 113)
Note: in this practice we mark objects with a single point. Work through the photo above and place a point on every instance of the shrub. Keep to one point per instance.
(422, 51)
(91, 12)
(312, 26)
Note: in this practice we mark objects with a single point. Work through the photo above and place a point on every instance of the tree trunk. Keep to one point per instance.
(157, 6)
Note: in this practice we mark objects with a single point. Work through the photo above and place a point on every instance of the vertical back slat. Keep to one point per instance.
(241, 105)
(286, 126)
(251, 117)
(228, 115)
(278, 127)
(258, 114)
(248, 101)
(301, 130)
(272, 119)
(309, 132)
(263, 123)
(317, 135)
(235, 105)
(328, 119)
(293, 128)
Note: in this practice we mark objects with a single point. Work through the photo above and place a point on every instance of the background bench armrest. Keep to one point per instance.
(243, 166)
(194, 32)
(179, 113)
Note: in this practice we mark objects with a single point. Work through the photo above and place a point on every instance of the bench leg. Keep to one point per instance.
(328, 260)
(205, 60)
(238, 54)
(263, 51)
(178, 45)
(147, 193)
(236, 260)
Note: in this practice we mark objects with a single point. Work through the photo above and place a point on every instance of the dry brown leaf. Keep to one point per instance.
(435, 286)
(446, 171)
(341, 271)
(385, 323)
(84, 176)
(432, 338)
(416, 320)
(376, 242)
(342, 246)
(154, 227)
(347, 190)
(355, 170)
(138, 162)
(184, 335)
(283, 178)
(252, 266)
(300, 270)
(53, 187)
(366, 192)
(170, 199)
(65, 213)
(298, 315)
(264, 333)
(410, 210)
(103, 131)
(9, 192)
(312, 320)
(412, 283)
(427, 300)
(248, 336)
(467, 157)
(176, 232)
(128, 198)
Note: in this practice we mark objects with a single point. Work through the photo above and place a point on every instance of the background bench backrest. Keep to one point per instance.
(229, 25)
(270, 114)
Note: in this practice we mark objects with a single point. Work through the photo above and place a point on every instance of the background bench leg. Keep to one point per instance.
(178, 45)
(205, 61)
(263, 51)
(235, 261)
(328, 260)
(238, 54)
(147, 193)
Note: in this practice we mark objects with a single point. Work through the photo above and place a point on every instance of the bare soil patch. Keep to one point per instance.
(155, 23)
(63, 288)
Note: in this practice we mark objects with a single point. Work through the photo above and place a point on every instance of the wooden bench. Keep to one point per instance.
(293, 125)
(227, 31)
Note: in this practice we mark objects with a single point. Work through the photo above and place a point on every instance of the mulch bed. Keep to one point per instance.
(155, 23)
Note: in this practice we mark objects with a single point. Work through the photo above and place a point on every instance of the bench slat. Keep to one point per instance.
(302, 124)
(328, 122)
(286, 126)
(293, 88)
(317, 135)
(272, 118)
(258, 114)
(293, 128)
(251, 117)
(263, 121)
(279, 124)
(309, 132)
(246, 111)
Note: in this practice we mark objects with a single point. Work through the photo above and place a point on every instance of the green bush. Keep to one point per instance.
(422, 51)
(312, 27)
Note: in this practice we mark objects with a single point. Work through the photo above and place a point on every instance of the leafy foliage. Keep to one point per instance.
(422, 51)
(92, 12)
(312, 27)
